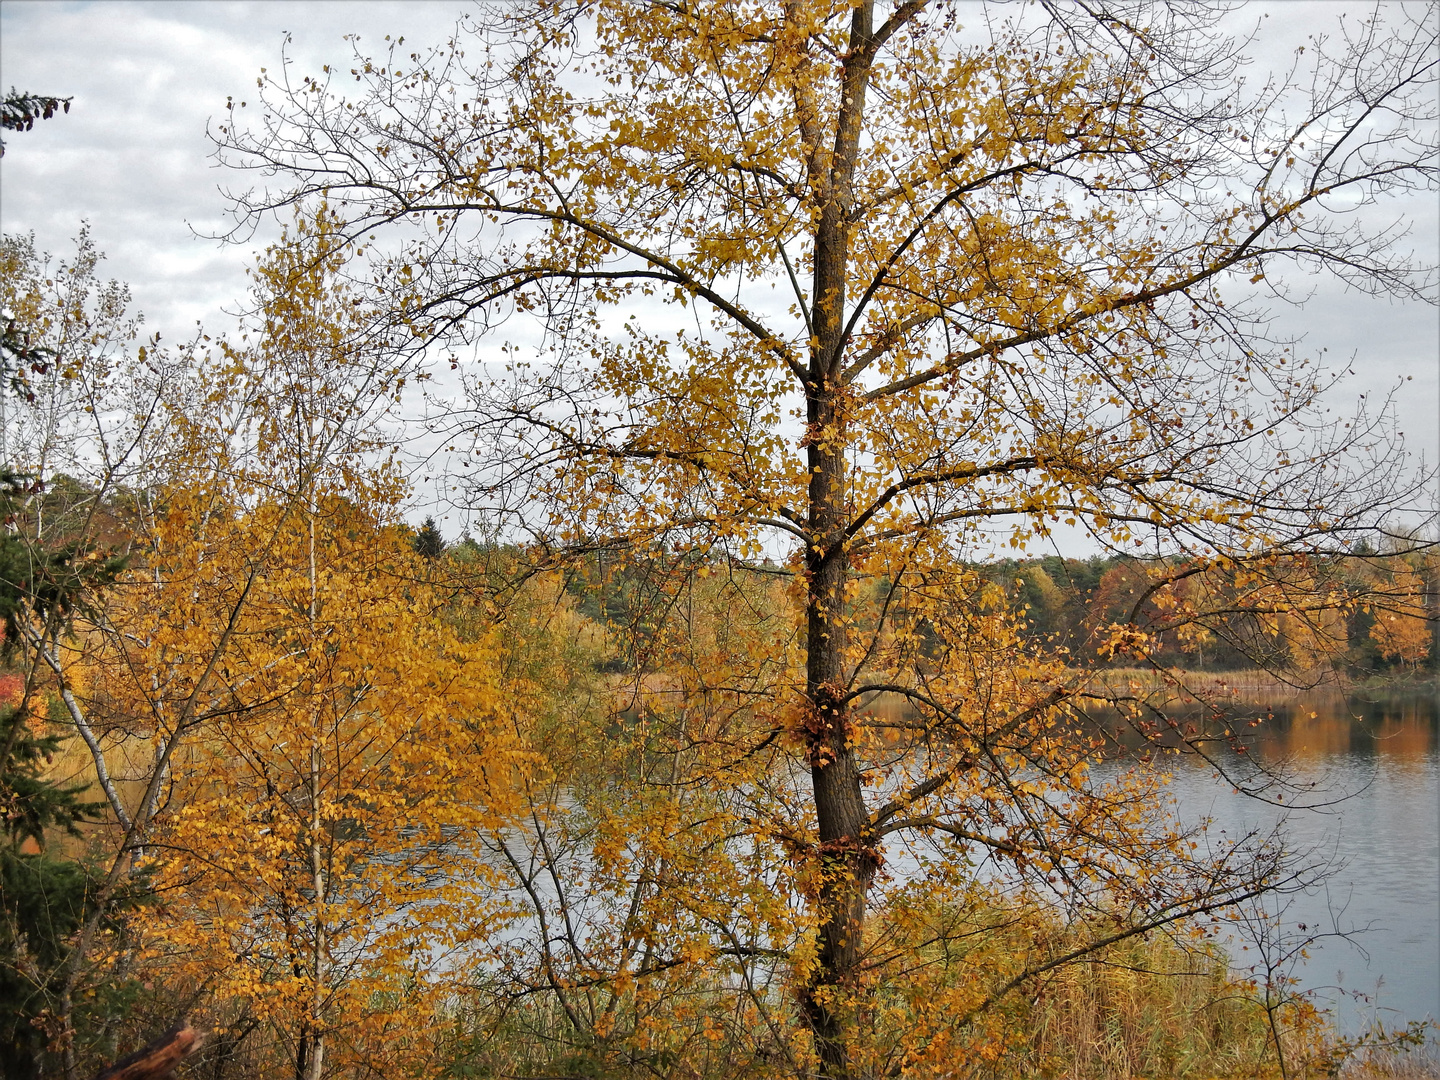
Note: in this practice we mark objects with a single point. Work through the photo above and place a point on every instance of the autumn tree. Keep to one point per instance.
(1401, 628)
(284, 737)
(872, 289)
(315, 852)
(652, 918)
(348, 749)
(81, 437)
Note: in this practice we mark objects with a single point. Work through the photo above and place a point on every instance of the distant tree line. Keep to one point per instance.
(1072, 604)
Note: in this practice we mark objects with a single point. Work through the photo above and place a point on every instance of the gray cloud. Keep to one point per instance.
(132, 156)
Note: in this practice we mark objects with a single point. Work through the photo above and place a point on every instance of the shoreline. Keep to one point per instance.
(1256, 686)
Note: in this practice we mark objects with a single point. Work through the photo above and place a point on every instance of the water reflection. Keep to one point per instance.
(1322, 728)
(1379, 759)
(1371, 769)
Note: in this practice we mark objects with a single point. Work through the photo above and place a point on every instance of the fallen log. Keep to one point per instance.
(159, 1058)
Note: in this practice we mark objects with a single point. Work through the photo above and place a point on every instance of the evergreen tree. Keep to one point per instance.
(19, 111)
(429, 544)
(42, 897)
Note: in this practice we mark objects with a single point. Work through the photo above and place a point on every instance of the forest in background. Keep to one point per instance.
(1067, 603)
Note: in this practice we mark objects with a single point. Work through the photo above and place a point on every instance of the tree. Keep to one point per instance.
(42, 898)
(18, 357)
(428, 541)
(652, 915)
(1400, 627)
(76, 445)
(315, 848)
(342, 749)
(264, 655)
(1015, 261)
(19, 111)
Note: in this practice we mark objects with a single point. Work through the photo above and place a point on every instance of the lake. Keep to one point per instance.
(1375, 770)
(1371, 771)
(1384, 834)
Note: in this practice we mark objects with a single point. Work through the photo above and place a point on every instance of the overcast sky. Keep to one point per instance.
(132, 158)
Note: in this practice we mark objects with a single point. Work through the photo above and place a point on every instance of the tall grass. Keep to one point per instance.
(1248, 686)
(1146, 1008)
(1143, 1008)
(1385, 1063)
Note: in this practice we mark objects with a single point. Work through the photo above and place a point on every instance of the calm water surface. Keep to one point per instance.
(1384, 835)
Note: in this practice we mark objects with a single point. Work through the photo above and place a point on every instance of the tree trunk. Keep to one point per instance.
(302, 1053)
(847, 860)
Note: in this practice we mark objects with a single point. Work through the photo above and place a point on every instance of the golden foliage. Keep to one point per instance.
(1005, 262)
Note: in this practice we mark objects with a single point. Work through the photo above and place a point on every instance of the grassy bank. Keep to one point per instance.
(1257, 687)
(1144, 1008)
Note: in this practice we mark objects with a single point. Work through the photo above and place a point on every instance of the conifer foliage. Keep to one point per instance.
(19, 111)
